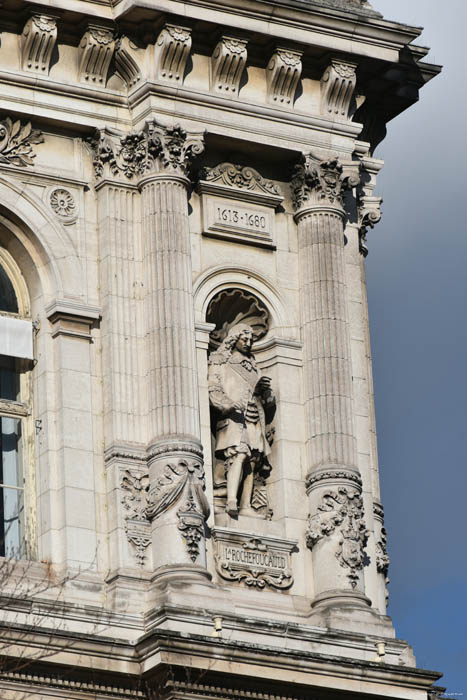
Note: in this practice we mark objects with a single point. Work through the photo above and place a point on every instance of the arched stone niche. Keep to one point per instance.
(279, 355)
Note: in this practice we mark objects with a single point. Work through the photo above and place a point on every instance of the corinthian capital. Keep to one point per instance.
(154, 149)
(322, 182)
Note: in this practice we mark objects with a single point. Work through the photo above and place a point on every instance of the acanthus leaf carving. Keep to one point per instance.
(282, 75)
(37, 43)
(171, 53)
(16, 142)
(96, 49)
(337, 88)
(227, 65)
(323, 182)
(341, 512)
(241, 177)
(154, 149)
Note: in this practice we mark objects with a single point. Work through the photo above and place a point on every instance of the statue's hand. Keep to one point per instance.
(229, 406)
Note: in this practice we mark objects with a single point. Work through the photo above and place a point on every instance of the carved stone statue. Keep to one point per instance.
(243, 406)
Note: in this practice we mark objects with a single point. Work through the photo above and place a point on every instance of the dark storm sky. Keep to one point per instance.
(417, 287)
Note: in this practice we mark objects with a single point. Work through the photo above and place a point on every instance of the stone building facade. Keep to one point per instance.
(190, 491)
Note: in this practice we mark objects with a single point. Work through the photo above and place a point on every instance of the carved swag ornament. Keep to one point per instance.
(154, 149)
(341, 511)
(183, 482)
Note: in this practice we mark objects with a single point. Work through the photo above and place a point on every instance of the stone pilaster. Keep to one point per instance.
(337, 532)
(158, 160)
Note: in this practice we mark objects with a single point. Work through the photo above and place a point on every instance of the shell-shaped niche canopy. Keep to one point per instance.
(232, 306)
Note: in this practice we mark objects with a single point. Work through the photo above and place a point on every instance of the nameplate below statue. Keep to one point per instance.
(256, 562)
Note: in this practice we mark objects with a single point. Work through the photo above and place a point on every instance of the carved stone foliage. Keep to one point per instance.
(227, 65)
(382, 557)
(317, 477)
(255, 562)
(232, 306)
(134, 501)
(318, 181)
(125, 62)
(171, 53)
(282, 75)
(16, 142)
(37, 43)
(62, 203)
(341, 511)
(96, 51)
(243, 178)
(181, 481)
(337, 88)
(154, 149)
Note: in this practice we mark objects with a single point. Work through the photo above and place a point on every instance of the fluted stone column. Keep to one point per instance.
(337, 532)
(157, 160)
(177, 505)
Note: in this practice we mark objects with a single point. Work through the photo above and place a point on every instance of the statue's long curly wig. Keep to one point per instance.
(225, 349)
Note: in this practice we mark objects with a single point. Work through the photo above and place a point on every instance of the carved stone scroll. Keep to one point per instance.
(127, 66)
(337, 88)
(341, 511)
(227, 64)
(37, 43)
(282, 75)
(257, 562)
(96, 50)
(171, 53)
(16, 142)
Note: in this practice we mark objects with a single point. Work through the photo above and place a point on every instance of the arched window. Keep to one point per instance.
(16, 353)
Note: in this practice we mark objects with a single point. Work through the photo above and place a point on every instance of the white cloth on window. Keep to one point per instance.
(16, 337)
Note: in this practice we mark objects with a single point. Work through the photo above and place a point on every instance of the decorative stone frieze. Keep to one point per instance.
(341, 511)
(125, 62)
(96, 51)
(171, 53)
(256, 562)
(153, 149)
(337, 88)
(227, 65)
(282, 75)
(134, 500)
(238, 204)
(16, 142)
(37, 43)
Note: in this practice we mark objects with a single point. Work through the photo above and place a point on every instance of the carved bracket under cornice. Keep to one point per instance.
(227, 64)
(127, 66)
(337, 88)
(171, 53)
(282, 75)
(37, 43)
(154, 149)
(96, 51)
(16, 141)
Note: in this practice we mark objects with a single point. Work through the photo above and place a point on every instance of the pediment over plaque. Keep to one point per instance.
(238, 204)
(255, 561)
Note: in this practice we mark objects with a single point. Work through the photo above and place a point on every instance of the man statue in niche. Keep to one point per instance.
(243, 406)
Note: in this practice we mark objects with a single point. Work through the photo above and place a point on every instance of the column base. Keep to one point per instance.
(180, 573)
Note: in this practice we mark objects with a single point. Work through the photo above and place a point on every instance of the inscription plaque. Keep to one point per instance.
(255, 561)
